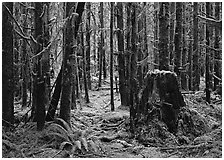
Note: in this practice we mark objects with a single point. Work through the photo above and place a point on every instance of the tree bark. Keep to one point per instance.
(121, 57)
(163, 36)
(101, 52)
(55, 98)
(133, 69)
(172, 31)
(40, 79)
(7, 66)
(207, 57)
(196, 72)
(178, 40)
(217, 55)
(65, 109)
(111, 56)
(88, 7)
(24, 61)
(156, 32)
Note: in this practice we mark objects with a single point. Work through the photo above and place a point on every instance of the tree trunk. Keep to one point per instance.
(172, 31)
(84, 66)
(7, 65)
(40, 81)
(88, 7)
(101, 52)
(178, 40)
(121, 56)
(145, 69)
(65, 108)
(24, 61)
(111, 56)
(196, 73)
(133, 69)
(207, 57)
(217, 56)
(156, 30)
(55, 98)
(163, 36)
(184, 51)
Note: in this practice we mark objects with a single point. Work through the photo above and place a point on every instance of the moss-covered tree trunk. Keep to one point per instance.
(67, 77)
(160, 96)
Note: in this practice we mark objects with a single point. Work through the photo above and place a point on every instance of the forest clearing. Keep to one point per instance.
(111, 80)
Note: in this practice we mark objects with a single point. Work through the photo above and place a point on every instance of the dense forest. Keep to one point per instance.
(111, 79)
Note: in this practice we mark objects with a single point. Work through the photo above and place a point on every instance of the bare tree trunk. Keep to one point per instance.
(184, 51)
(217, 56)
(163, 36)
(196, 73)
(133, 69)
(7, 65)
(55, 98)
(172, 32)
(84, 66)
(40, 81)
(156, 30)
(207, 57)
(111, 56)
(101, 52)
(24, 60)
(121, 57)
(88, 7)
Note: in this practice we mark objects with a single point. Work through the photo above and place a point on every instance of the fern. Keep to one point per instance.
(64, 124)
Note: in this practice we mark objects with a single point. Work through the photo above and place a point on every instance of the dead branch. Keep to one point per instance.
(212, 22)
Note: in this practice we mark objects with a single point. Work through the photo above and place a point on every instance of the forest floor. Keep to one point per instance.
(98, 132)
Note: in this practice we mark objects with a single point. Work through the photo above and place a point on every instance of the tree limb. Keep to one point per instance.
(212, 22)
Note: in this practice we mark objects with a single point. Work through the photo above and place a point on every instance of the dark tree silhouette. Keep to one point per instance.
(7, 66)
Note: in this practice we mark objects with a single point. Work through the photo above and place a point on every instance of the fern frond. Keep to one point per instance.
(64, 124)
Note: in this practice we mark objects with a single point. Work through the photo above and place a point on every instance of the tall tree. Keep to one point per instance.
(196, 73)
(184, 51)
(88, 10)
(84, 66)
(172, 31)
(111, 55)
(156, 33)
(65, 109)
(40, 75)
(7, 65)
(207, 56)
(121, 56)
(178, 39)
(101, 47)
(133, 69)
(24, 59)
(163, 35)
(217, 55)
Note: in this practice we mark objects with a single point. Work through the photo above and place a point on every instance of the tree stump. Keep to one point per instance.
(160, 96)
